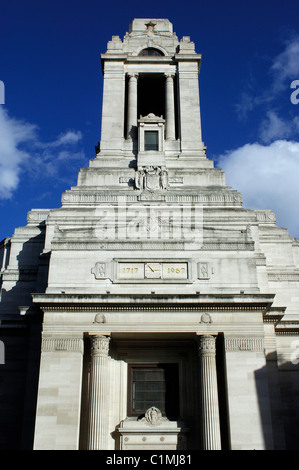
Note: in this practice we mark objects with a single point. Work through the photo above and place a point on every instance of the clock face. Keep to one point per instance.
(153, 270)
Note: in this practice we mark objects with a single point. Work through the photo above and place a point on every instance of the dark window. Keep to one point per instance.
(151, 140)
(153, 385)
(151, 94)
(150, 51)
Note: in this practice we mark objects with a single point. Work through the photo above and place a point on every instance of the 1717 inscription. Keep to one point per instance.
(152, 270)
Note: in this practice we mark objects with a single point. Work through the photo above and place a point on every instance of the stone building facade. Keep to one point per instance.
(151, 310)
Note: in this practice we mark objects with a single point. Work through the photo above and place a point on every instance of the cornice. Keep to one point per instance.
(162, 302)
(287, 327)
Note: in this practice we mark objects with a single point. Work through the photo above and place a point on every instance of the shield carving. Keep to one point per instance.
(152, 180)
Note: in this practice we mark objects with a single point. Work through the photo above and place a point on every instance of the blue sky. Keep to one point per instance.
(50, 122)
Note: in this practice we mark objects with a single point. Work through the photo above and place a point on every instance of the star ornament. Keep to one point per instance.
(150, 25)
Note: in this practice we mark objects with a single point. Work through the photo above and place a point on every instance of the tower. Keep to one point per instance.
(168, 309)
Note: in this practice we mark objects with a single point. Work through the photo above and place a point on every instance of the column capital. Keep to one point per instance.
(206, 345)
(133, 75)
(169, 75)
(99, 345)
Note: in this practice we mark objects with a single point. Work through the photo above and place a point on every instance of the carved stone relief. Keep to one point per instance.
(99, 271)
(99, 318)
(205, 318)
(203, 270)
(151, 178)
(153, 416)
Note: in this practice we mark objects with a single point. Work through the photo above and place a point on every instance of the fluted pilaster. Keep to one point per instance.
(210, 423)
(169, 106)
(132, 105)
(98, 393)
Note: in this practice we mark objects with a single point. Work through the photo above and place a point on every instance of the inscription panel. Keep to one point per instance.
(152, 270)
(130, 271)
(175, 271)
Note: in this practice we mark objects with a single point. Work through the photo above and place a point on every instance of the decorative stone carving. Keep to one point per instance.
(205, 318)
(151, 179)
(203, 271)
(284, 277)
(244, 344)
(62, 344)
(99, 270)
(211, 198)
(37, 216)
(176, 180)
(99, 318)
(206, 345)
(154, 430)
(265, 216)
(100, 345)
(150, 26)
(168, 245)
(154, 416)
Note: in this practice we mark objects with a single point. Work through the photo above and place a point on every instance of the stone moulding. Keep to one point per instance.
(39, 215)
(62, 344)
(265, 216)
(20, 275)
(244, 344)
(183, 301)
(143, 245)
(287, 328)
(210, 198)
(77, 308)
(72, 245)
(283, 277)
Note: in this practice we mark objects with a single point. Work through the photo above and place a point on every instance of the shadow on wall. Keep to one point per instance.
(31, 273)
(277, 390)
(21, 336)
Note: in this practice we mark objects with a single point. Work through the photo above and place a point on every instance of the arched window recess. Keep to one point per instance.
(151, 52)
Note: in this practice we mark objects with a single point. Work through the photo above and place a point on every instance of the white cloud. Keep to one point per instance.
(274, 127)
(283, 70)
(68, 138)
(266, 173)
(267, 178)
(22, 151)
(12, 133)
(285, 66)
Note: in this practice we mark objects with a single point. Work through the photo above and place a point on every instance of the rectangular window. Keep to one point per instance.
(153, 385)
(151, 140)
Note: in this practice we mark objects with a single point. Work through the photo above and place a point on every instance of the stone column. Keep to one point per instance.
(98, 393)
(169, 107)
(132, 105)
(209, 408)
